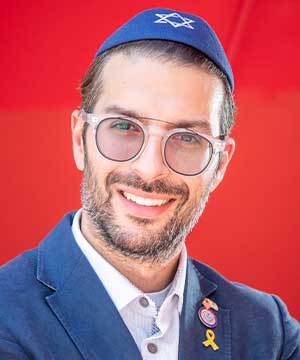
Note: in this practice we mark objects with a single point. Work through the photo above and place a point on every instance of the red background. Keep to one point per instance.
(249, 231)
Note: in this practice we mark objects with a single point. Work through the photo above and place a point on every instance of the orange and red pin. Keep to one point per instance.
(209, 319)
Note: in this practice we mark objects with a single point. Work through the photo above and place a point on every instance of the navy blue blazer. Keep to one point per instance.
(53, 306)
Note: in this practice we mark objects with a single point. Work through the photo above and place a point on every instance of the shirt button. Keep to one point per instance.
(144, 302)
(152, 348)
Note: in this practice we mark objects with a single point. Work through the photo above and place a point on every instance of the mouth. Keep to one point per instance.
(144, 201)
(142, 204)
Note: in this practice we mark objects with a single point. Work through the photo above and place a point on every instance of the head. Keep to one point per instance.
(142, 208)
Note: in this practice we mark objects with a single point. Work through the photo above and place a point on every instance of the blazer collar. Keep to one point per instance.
(58, 254)
(79, 300)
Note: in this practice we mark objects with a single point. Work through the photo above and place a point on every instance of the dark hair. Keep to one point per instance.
(166, 51)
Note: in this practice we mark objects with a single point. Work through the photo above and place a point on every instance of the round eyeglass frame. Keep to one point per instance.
(217, 145)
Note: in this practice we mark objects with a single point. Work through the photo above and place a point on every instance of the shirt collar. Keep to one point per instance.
(119, 288)
(178, 283)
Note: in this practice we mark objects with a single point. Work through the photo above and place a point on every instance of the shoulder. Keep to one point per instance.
(255, 313)
(19, 278)
(240, 296)
(19, 293)
(16, 273)
(19, 286)
(22, 295)
(230, 291)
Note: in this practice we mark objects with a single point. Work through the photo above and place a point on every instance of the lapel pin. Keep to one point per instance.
(210, 336)
(209, 304)
(207, 317)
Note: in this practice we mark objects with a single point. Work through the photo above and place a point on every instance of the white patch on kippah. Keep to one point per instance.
(165, 19)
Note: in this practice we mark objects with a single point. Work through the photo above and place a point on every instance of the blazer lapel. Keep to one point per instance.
(80, 302)
(192, 331)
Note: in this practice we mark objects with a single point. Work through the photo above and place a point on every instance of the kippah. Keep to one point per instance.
(168, 24)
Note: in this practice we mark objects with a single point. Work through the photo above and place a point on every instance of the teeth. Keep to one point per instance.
(144, 201)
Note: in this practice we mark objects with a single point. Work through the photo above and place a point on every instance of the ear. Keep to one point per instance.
(224, 161)
(78, 149)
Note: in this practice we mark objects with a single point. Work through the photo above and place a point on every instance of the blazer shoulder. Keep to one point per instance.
(20, 293)
(18, 288)
(231, 292)
(263, 314)
(19, 270)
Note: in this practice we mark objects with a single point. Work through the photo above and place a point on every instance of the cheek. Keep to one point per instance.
(195, 194)
(198, 186)
(195, 185)
(98, 164)
(101, 169)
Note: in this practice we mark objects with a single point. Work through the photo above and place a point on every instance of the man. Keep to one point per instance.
(113, 281)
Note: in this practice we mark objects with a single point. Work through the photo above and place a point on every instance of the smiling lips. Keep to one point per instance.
(135, 202)
(145, 201)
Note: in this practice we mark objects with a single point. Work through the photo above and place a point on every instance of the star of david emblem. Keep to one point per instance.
(174, 19)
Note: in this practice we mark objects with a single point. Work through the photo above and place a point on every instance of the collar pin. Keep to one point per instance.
(209, 304)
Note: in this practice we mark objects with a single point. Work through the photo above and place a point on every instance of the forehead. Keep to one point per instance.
(162, 90)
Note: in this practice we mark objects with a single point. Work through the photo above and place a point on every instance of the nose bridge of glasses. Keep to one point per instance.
(150, 162)
(154, 135)
(155, 130)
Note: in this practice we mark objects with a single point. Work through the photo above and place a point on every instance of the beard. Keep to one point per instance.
(142, 241)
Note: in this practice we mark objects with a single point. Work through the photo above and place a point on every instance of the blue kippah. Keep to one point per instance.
(167, 24)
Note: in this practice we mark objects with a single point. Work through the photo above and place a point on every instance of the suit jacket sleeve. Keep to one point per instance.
(291, 333)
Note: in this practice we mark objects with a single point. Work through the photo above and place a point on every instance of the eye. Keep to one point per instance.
(122, 125)
(187, 138)
(125, 126)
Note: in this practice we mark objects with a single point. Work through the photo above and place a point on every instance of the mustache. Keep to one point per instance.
(158, 186)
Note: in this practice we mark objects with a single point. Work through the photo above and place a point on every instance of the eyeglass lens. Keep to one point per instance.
(185, 152)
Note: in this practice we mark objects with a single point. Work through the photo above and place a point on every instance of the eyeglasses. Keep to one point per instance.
(184, 151)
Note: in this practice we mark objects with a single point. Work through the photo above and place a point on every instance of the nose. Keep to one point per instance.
(150, 164)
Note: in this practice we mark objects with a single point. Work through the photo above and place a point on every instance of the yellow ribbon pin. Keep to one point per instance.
(210, 335)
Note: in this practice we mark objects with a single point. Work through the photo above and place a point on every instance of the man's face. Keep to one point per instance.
(142, 208)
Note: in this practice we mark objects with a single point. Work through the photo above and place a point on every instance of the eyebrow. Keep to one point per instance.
(196, 125)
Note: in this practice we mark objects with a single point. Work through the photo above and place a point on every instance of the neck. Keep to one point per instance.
(145, 275)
